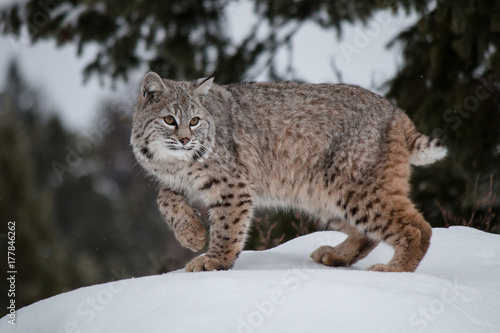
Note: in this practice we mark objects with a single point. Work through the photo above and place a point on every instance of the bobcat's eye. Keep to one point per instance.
(170, 120)
(194, 121)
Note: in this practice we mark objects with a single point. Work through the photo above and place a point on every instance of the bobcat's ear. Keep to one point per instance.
(204, 86)
(152, 83)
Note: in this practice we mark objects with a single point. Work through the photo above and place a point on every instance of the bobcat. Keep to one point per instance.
(338, 152)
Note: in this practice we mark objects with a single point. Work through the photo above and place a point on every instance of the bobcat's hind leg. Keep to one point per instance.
(409, 234)
(399, 224)
(354, 248)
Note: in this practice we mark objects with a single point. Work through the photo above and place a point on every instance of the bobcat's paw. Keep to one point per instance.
(327, 255)
(205, 263)
(193, 236)
(385, 268)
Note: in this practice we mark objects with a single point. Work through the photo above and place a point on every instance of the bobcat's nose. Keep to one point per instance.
(184, 141)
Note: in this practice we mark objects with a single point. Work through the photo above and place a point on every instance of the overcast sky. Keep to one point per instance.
(360, 56)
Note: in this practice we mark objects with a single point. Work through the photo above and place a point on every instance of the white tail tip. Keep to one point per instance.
(433, 150)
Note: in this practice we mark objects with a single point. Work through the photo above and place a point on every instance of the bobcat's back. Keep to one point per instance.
(288, 133)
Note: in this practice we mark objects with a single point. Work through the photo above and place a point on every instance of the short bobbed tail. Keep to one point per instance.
(423, 149)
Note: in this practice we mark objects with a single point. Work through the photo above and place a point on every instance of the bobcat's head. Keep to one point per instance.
(170, 122)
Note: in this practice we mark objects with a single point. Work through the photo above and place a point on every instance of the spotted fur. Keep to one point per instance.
(337, 152)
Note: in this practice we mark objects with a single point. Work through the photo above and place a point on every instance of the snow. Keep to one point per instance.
(455, 289)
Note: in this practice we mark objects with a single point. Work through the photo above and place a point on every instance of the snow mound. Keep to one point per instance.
(455, 289)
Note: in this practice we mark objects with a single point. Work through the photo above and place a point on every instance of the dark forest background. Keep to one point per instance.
(85, 212)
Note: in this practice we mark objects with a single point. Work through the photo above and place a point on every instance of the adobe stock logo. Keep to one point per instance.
(452, 297)
(291, 280)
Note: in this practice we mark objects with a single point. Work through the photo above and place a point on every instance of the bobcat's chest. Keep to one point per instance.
(187, 180)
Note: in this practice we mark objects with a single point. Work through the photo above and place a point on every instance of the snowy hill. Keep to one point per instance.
(455, 289)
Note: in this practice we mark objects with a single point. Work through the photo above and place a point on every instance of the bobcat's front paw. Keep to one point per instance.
(193, 236)
(205, 263)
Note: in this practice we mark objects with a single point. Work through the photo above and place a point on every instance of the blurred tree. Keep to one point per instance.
(41, 257)
(179, 39)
